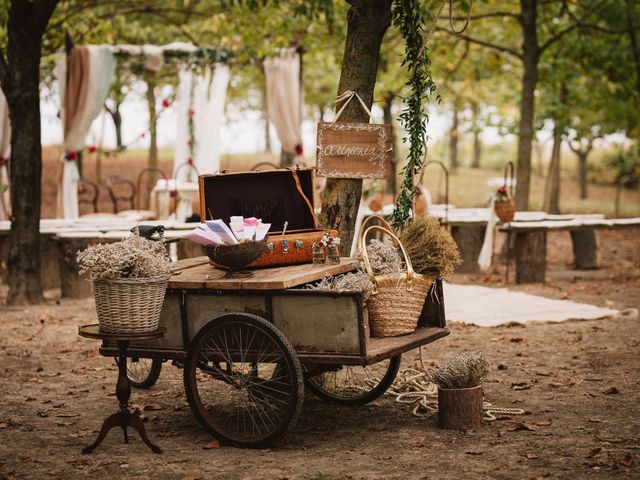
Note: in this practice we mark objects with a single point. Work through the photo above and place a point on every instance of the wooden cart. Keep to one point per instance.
(250, 346)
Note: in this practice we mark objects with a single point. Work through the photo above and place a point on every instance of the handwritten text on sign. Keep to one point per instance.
(353, 150)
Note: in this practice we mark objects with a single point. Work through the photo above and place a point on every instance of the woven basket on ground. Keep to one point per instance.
(129, 305)
(397, 299)
(505, 210)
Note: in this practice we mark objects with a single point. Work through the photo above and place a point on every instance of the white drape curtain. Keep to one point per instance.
(201, 98)
(282, 76)
(101, 66)
(5, 152)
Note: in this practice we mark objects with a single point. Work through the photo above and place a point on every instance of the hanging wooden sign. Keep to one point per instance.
(353, 150)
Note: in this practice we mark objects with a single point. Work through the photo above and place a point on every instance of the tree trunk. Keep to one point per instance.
(453, 140)
(477, 143)
(387, 118)
(552, 183)
(582, 173)
(265, 117)
(585, 248)
(530, 56)
(367, 22)
(20, 77)
(531, 256)
(116, 116)
(153, 121)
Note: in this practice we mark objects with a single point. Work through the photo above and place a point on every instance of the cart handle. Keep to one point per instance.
(367, 263)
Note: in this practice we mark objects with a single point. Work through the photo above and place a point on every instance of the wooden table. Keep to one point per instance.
(124, 417)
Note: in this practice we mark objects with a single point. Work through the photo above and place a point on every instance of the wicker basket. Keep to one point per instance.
(505, 210)
(397, 299)
(129, 305)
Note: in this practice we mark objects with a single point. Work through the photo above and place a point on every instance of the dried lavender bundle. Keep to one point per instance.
(463, 370)
(348, 282)
(384, 258)
(133, 257)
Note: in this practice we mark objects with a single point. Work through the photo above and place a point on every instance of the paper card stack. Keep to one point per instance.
(239, 230)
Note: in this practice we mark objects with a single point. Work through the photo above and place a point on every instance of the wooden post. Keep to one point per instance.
(72, 285)
(585, 248)
(460, 408)
(531, 256)
(469, 239)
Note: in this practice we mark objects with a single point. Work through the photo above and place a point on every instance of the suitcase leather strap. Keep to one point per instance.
(306, 199)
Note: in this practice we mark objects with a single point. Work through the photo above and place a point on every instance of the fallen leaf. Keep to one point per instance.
(611, 391)
(595, 420)
(421, 442)
(152, 408)
(63, 423)
(626, 461)
(4, 424)
(520, 386)
(521, 426)
(472, 452)
(211, 445)
(516, 339)
(546, 374)
(576, 381)
(531, 456)
(556, 384)
(632, 447)
(544, 422)
(594, 452)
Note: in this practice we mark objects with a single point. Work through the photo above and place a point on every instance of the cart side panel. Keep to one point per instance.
(169, 319)
(201, 309)
(318, 323)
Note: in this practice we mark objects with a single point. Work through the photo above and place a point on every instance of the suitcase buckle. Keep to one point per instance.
(271, 247)
(285, 245)
(299, 244)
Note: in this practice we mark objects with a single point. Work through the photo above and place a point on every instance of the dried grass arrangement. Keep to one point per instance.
(463, 370)
(133, 257)
(432, 249)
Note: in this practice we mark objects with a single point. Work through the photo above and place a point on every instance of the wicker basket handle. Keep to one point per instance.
(367, 263)
(367, 220)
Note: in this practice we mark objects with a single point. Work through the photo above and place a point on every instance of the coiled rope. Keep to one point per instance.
(413, 386)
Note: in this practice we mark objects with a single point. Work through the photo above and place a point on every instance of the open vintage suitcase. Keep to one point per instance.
(275, 196)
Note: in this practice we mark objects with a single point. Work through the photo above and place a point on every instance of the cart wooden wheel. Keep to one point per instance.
(243, 380)
(143, 372)
(353, 384)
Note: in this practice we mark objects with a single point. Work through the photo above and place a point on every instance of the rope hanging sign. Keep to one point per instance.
(353, 149)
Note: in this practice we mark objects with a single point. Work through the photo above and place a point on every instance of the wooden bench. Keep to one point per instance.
(531, 243)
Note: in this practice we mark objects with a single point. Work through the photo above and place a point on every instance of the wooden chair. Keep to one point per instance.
(88, 193)
(147, 171)
(123, 190)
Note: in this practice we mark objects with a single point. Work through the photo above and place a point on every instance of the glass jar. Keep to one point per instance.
(318, 254)
(333, 255)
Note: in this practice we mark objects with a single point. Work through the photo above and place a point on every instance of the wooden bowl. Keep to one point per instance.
(236, 257)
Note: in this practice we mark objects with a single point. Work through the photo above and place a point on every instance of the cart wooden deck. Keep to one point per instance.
(323, 327)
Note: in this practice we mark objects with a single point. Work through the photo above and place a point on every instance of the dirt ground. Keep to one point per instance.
(577, 381)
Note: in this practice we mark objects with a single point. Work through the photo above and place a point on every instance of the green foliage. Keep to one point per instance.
(409, 19)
